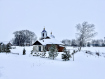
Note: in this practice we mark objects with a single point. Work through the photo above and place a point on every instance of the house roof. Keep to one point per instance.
(5, 42)
(49, 41)
(37, 43)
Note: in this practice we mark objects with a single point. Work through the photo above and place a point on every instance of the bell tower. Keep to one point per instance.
(43, 34)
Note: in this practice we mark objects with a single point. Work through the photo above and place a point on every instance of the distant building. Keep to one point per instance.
(5, 46)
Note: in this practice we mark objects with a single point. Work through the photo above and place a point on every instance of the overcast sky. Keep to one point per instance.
(58, 16)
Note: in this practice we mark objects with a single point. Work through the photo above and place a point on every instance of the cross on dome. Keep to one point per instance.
(44, 29)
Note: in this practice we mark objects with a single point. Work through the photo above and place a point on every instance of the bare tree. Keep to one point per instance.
(85, 33)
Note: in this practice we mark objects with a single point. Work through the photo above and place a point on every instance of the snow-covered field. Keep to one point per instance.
(84, 66)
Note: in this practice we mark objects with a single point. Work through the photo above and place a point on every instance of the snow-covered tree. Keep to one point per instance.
(53, 51)
(74, 42)
(8, 47)
(66, 54)
(24, 37)
(5, 48)
(66, 42)
(85, 33)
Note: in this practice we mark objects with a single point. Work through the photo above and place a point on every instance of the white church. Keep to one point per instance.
(46, 41)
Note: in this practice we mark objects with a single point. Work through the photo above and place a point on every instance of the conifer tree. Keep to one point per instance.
(66, 54)
(53, 51)
(7, 48)
(24, 51)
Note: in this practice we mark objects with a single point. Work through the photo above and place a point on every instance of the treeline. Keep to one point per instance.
(94, 43)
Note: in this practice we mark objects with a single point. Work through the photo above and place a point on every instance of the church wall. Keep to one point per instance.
(41, 48)
(36, 48)
(60, 49)
(45, 34)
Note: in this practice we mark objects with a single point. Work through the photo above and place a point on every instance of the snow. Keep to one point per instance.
(50, 41)
(52, 36)
(20, 49)
(100, 50)
(84, 66)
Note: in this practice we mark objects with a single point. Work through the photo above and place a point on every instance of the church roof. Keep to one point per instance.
(44, 30)
(52, 36)
(49, 41)
(37, 43)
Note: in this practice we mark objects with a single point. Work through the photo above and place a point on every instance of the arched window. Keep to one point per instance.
(43, 34)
